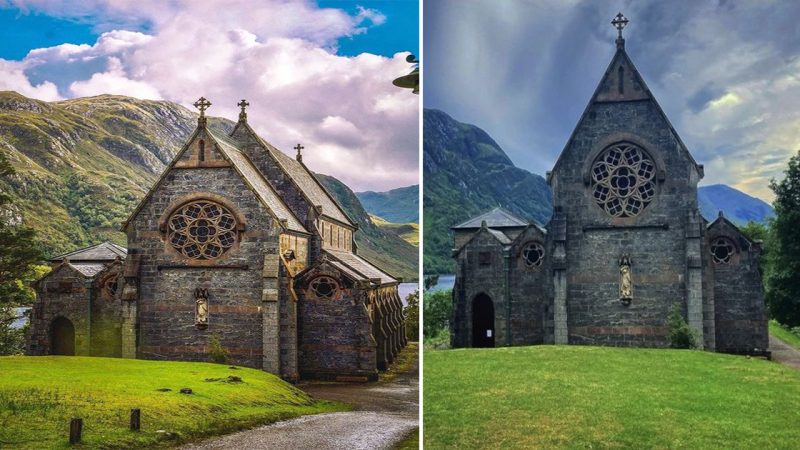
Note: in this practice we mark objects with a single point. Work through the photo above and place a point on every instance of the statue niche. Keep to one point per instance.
(625, 281)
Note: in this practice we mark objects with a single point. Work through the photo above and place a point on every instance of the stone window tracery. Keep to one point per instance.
(533, 254)
(623, 180)
(722, 250)
(324, 287)
(202, 230)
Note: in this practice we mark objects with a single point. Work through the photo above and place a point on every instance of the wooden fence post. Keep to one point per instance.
(135, 415)
(75, 428)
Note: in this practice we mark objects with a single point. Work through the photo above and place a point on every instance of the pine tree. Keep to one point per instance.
(783, 282)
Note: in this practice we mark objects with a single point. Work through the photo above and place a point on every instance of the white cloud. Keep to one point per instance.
(12, 78)
(280, 56)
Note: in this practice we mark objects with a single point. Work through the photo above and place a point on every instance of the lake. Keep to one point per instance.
(446, 281)
(21, 317)
(406, 288)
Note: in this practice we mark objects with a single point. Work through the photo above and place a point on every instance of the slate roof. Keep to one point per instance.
(107, 251)
(505, 240)
(314, 191)
(357, 267)
(87, 269)
(256, 181)
(496, 218)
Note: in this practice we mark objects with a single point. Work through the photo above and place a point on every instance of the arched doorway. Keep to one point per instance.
(62, 337)
(482, 321)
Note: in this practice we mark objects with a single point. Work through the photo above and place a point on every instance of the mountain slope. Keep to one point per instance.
(467, 173)
(737, 206)
(83, 165)
(381, 246)
(399, 205)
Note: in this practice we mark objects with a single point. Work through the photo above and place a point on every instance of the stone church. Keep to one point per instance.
(625, 243)
(236, 243)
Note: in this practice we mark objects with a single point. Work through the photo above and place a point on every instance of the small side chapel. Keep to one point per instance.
(236, 242)
(626, 243)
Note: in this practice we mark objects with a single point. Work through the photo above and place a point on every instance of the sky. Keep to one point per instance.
(726, 73)
(318, 73)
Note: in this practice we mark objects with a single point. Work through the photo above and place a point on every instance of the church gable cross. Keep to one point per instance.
(299, 148)
(619, 23)
(243, 105)
(202, 104)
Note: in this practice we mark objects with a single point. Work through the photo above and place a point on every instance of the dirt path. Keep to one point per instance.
(784, 353)
(384, 414)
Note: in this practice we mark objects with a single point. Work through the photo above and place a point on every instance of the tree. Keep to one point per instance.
(19, 253)
(756, 231)
(783, 282)
(411, 311)
(438, 307)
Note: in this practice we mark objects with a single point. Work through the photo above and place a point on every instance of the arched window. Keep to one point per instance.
(623, 180)
(533, 255)
(722, 250)
(202, 229)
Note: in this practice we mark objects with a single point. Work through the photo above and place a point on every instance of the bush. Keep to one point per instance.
(680, 335)
(12, 340)
(219, 354)
(440, 341)
(438, 307)
(411, 311)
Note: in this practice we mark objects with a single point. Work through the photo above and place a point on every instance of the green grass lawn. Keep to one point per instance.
(39, 395)
(783, 334)
(599, 397)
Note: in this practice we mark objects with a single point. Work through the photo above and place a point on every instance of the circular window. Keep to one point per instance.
(202, 230)
(111, 286)
(533, 254)
(623, 180)
(324, 287)
(722, 250)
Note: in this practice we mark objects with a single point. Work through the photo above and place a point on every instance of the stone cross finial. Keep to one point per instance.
(243, 114)
(619, 23)
(299, 148)
(202, 104)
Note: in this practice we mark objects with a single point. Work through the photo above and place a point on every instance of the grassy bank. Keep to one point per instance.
(783, 334)
(39, 395)
(594, 397)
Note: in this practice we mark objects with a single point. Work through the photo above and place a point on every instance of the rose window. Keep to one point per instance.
(202, 230)
(324, 287)
(722, 250)
(533, 254)
(623, 180)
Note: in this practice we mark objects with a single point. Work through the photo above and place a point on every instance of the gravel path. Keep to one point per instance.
(385, 413)
(783, 353)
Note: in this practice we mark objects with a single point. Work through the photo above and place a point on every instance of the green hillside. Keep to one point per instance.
(84, 164)
(399, 205)
(467, 173)
(382, 246)
(38, 396)
(594, 397)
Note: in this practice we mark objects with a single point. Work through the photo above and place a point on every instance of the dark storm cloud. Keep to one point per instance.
(725, 73)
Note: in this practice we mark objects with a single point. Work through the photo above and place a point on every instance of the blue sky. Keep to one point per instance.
(725, 72)
(319, 73)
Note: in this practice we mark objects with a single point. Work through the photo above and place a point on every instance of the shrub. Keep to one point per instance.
(438, 307)
(411, 311)
(219, 354)
(680, 335)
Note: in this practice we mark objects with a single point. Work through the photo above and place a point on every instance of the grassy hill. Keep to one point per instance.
(598, 397)
(409, 232)
(380, 245)
(38, 396)
(399, 205)
(84, 164)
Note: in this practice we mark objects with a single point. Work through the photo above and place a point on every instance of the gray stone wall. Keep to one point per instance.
(167, 280)
(335, 336)
(655, 239)
(741, 323)
(531, 293)
(62, 293)
(474, 278)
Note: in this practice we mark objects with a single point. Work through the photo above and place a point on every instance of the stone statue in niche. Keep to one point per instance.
(625, 281)
(201, 307)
